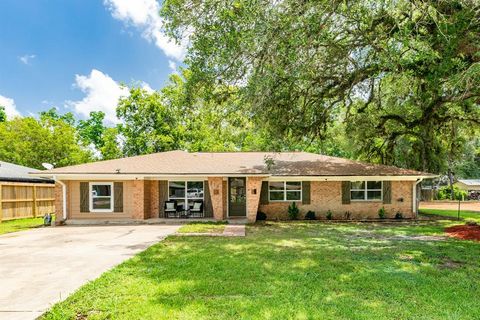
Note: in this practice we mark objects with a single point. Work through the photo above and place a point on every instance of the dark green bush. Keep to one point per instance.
(261, 216)
(398, 215)
(310, 215)
(329, 215)
(293, 211)
(382, 214)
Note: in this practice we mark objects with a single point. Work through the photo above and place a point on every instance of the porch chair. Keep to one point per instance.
(197, 210)
(171, 209)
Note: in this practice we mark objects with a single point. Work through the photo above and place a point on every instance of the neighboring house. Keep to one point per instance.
(24, 196)
(232, 184)
(468, 184)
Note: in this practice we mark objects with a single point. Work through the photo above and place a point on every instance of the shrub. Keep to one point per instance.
(293, 211)
(310, 215)
(398, 215)
(347, 215)
(444, 193)
(329, 215)
(261, 216)
(381, 213)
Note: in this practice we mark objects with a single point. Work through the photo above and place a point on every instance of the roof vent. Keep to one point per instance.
(117, 170)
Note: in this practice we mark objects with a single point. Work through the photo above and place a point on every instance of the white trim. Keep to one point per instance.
(414, 197)
(365, 194)
(90, 197)
(284, 191)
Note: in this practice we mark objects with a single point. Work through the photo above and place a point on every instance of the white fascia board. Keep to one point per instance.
(123, 177)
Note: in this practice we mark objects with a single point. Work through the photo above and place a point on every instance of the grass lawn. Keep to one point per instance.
(291, 271)
(453, 213)
(203, 227)
(20, 224)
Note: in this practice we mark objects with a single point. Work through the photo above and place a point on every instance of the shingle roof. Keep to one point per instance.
(224, 163)
(14, 172)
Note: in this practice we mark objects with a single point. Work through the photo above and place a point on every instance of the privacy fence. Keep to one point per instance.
(26, 200)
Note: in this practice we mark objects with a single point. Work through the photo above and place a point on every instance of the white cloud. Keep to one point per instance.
(144, 14)
(10, 107)
(146, 87)
(25, 59)
(101, 94)
(173, 66)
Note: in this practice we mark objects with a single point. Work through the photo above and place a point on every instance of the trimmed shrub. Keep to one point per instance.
(261, 216)
(382, 214)
(293, 211)
(398, 215)
(310, 215)
(471, 222)
(329, 215)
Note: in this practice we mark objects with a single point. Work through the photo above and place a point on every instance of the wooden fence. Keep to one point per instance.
(26, 200)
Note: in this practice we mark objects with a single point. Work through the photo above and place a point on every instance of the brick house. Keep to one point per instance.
(231, 184)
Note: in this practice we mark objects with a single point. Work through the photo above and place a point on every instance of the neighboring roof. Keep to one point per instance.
(470, 182)
(16, 173)
(225, 163)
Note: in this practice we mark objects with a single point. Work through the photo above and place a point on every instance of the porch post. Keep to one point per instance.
(254, 188)
(215, 185)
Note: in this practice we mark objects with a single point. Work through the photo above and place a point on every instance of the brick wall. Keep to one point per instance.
(327, 195)
(215, 185)
(254, 186)
(138, 199)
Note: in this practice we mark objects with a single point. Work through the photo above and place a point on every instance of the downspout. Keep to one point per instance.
(64, 196)
(414, 204)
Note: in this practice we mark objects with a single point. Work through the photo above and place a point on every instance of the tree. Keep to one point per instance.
(91, 131)
(31, 142)
(400, 71)
(3, 115)
(148, 125)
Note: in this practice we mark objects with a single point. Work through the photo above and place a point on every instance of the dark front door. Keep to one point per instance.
(237, 197)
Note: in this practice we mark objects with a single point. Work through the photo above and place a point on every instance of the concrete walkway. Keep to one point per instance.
(40, 267)
(234, 230)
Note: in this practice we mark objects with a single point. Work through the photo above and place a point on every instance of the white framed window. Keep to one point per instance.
(366, 190)
(284, 191)
(185, 192)
(101, 196)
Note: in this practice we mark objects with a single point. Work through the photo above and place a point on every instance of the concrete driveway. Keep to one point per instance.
(40, 267)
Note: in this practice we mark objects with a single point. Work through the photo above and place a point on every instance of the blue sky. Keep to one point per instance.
(72, 54)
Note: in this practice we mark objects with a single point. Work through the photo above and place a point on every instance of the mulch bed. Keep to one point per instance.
(464, 232)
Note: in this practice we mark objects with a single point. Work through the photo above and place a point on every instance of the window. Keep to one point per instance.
(366, 191)
(285, 191)
(185, 192)
(101, 199)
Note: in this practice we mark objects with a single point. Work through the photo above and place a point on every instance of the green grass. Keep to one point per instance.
(19, 224)
(203, 227)
(295, 270)
(453, 213)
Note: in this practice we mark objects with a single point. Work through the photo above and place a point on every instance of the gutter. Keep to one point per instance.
(64, 196)
(414, 204)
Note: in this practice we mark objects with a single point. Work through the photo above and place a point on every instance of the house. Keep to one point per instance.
(468, 184)
(231, 185)
(24, 196)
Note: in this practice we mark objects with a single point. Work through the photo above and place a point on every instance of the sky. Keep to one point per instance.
(73, 55)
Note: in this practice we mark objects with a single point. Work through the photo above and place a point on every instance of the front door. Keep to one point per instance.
(237, 197)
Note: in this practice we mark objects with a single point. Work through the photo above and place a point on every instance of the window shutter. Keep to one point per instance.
(264, 193)
(162, 196)
(387, 192)
(118, 196)
(84, 197)
(207, 200)
(306, 192)
(346, 192)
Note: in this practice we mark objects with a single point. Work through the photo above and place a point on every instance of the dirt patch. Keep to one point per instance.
(464, 232)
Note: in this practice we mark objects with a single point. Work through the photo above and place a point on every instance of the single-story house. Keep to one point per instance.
(468, 184)
(224, 185)
(24, 196)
